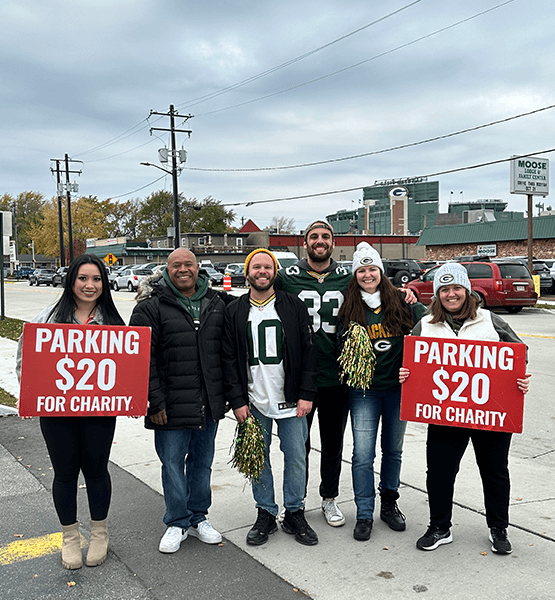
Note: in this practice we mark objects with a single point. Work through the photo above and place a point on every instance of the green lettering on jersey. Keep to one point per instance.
(262, 332)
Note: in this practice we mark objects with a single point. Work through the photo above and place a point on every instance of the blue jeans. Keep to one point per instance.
(186, 456)
(366, 410)
(292, 433)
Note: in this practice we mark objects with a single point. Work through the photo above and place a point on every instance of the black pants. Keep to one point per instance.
(445, 448)
(332, 404)
(79, 444)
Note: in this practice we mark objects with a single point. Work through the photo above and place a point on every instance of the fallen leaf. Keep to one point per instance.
(484, 553)
(19, 535)
(518, 499)
(385, 574)
(385, 548)
(71, 583)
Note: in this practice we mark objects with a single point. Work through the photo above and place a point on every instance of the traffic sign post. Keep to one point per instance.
(530, 176)
(110, 259)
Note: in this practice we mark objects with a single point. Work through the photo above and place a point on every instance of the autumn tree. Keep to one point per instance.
(28, 208)
(156, 215)
(88, 219)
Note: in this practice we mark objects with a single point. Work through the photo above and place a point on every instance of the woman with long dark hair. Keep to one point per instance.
(81, 444)
(373, 321)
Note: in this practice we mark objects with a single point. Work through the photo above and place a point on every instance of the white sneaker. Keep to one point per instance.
(281, 515)
(172, 539)
(205, 533)
(331, 511)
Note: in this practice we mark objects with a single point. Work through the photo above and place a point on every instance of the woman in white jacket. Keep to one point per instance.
(455, 312)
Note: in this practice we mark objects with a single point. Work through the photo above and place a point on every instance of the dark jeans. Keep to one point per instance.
(186, 456)
(332, 404)
(80, 444)
(445, 448)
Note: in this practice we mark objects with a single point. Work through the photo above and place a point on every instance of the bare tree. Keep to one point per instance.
(282, 225)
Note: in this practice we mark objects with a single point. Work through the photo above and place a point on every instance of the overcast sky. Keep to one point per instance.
(81, 77)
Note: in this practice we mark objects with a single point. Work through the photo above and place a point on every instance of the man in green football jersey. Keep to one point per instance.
(319, 281)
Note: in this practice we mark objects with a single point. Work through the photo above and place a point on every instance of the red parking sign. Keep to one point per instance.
(84, 370)
(464, 383)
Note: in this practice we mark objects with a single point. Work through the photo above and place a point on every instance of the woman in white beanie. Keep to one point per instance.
(455, 312)
(373, 321)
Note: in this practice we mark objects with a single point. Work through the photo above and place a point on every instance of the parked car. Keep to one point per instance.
(238, 278)
(23, 272)
(220, 266)
(234, 267)
(129, 278)
(507, 285)
(539, 268)
(346, 264)
(39, 276)
(216, 278)
(401, 272)
(60, 276)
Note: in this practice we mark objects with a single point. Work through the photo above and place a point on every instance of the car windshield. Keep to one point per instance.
(142, 272)
(287, 262)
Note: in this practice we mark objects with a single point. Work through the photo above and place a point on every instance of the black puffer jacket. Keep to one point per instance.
(185, 367)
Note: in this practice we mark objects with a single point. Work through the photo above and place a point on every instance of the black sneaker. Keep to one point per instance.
(264, 526)
(433, 538)
(500, 541)
(391, 514)
(362, 530)
(295, 523)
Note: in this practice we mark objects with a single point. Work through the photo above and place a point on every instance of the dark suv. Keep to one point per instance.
(507, 285)
(39, 276)
(60, 276)
(401, 271)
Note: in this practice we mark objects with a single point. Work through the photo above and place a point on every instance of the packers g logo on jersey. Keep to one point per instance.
(382, 345)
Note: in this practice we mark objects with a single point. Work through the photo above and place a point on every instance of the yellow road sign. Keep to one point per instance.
(110, 259)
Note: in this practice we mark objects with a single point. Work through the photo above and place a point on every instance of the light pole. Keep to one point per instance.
(32, 246)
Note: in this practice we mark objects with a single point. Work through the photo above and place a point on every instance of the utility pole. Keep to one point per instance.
(68, 188)
(175, 169)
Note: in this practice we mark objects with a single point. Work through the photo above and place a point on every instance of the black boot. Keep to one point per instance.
(390, 512)
(264, 526)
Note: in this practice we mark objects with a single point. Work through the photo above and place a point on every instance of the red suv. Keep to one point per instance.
(507, 285)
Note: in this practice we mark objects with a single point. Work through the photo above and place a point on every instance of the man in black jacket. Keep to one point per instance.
(186, 398)
(270, 366)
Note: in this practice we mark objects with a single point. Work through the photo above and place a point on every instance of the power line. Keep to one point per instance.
(138, 189)
(359, 187)
(374, 152)
(294, 87)
(235, 86)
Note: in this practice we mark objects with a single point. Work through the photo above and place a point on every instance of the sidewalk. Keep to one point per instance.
(340, 568)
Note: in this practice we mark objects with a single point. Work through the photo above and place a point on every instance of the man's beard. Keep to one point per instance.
(261, 288)
(317, 257)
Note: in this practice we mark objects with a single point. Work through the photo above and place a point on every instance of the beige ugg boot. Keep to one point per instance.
(71, 547)
(98, 544)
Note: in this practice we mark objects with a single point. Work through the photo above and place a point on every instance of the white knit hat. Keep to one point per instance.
(366, 256)
(451, 274)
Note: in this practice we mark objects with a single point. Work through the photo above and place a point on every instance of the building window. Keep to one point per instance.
(239, 241)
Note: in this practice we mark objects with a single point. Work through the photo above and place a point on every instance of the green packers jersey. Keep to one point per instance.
(323, 295)
(387, 349)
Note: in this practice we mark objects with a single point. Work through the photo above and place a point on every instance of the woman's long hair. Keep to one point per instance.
(65, 307)
(468, 310)
(397, 318)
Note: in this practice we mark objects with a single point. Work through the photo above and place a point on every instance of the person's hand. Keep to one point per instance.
(242, 413)
(303, 408)
(524, 384)
(410, 298)
(17, 408)
(160, 418)
(403, 374)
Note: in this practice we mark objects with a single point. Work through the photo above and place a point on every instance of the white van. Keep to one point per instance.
(285, 259)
